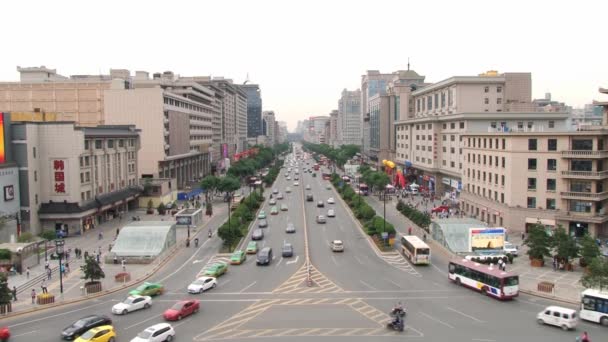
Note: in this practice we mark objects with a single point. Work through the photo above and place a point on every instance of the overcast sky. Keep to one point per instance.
(303, 53)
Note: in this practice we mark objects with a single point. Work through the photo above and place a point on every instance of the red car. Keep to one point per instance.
(182, 309)
(5, 334)
(440, 209)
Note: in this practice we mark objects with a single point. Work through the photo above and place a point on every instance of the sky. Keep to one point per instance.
(303, 53)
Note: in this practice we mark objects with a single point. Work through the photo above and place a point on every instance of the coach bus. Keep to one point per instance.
(416, 250)
(594, 306)
(487, 279)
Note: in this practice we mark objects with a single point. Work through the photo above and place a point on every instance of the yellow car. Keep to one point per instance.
(103, 333)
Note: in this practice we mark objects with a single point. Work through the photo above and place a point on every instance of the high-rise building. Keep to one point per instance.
(270, 123)
(332, 129)
(372, 83)
(254, 109)
(349, 118)
(316, 131)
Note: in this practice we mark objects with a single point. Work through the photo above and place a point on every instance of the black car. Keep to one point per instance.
(320, 204)
(309, 198)
(264, 256)
(287, 250)
(83, 325)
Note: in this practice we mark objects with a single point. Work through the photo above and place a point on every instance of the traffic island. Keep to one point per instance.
(45, 298)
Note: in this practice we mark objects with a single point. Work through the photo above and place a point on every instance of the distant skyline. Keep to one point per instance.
(302, 54)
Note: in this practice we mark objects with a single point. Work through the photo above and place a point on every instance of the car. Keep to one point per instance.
(321, 219)
(337, 246)
(307, 186)
(160, 332)
(84, 324)
(217, 269)
(262, 214)
(257, 234)
(288, 190)
(262, 223)
(331, 213)
(327, 187)
(264, 256)
(440, 209)
(320, 204)
(202, 284)
(331, 200)
(102, 333)
(5, 334)
(280, 195)
(287, 250)
(252, 247)
(510, 248)
(288, 178)
(272, 201)
(132, 303)
(238, 257)
(284, 207)
(275, 191)
(148, 289)
(309, 198)
(290, 228)
(296, 183)
(182, 309)
(559, 316)
(296, 178)
(274, 210)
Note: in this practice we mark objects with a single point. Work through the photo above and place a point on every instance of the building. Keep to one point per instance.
(254, 109)
(73, 178)
(372, 83)
(269, 126)
(589, 115)
(332, 129)
(315, 132)
(546, 104)
(10, 203)
(349, 118)
(282, 132)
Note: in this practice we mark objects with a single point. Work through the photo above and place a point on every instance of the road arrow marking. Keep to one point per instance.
(197, 261)
(293, 261)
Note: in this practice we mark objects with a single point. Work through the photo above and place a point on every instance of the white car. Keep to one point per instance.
(337, 246)
(202, 284)
(296, 183)
(510, 248)
(330, 200)
(331, 213)
(160, 332)
(132, 303)
(288, 190)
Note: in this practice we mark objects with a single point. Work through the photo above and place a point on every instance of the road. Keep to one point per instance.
(351, 295)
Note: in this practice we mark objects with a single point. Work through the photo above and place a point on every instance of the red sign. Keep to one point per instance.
(59, 179)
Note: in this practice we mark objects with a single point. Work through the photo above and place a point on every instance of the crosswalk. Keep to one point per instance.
(298, 283)
(397, 260)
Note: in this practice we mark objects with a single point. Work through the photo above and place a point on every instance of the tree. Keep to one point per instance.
(48, 235)
(589, 250)
(5, 291)
(209, 209)
(565, 245)
(230, 233)
(538, 242)
(92, 270)
(228, 184)
(161, 208)
(209, 184)
(597, 275)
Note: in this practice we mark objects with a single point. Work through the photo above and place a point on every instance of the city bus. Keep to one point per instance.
(594, 306)
(487, 279)
(416, 250)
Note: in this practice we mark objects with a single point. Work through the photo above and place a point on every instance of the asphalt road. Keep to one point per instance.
(352, 293)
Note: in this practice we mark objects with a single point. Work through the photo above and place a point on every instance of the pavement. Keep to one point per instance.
(351, 295)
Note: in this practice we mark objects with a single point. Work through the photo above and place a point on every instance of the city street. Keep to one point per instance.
(351, 295)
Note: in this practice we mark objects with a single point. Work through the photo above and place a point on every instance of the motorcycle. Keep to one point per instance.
(398, 312)
(397, 325)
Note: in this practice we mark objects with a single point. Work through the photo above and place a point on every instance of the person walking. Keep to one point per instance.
(33, 296)
(49, 272)
(27, 273)
(43, 286)
(46, 265)
(14, 293)
(123, 265)
(67, 267)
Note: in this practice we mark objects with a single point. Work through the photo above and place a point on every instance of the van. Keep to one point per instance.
(556, 315)
(264, 256)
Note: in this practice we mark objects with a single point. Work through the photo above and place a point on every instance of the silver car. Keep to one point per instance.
(321, 219)
(331, 213)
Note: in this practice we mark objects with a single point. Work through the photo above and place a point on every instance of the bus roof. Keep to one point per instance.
(415, 241)
(595, 293)
(484, 268)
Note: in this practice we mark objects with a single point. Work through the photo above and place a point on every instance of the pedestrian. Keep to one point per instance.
(123, 264)
(100, 235)
(504, 267)
(14, 292)
(27, 273)
(117, 230)
(523, 236)
(86, 254)
(67, 267)
(585, 337)
(33, 296)
(62, 269)
(99, 250)
(43, 286)
(554, 264)
(49, 272)
(98, 258)
(409, 231)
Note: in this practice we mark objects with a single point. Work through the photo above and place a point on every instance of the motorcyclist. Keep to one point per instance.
(209, 233)
(398, 310)
(195, 242)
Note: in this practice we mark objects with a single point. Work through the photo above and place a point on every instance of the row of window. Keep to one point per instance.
(550, 186)
(185, 105)
(551, 164)
(487, 160)
(486, 193)
(436, 101)
(481, 176)
(487, 143)
(110, 143)
(549, 203)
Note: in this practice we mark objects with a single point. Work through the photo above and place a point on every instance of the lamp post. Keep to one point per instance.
(384, 215)
(59, 249)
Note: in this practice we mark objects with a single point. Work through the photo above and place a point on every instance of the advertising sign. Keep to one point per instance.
(445, 181)
(487, 239)
(59, 168)
(225, 150)
(2, 151)
(9, 193)
(184, 220)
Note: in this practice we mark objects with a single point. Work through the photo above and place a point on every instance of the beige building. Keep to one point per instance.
(332, 131)
(268, 126)
(349, 118)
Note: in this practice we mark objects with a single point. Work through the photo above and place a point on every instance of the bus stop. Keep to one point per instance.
(189, 217)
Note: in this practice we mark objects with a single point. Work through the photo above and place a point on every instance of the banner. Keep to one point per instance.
(2, 150)
(487, 239)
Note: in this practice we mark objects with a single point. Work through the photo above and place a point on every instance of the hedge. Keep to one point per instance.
(421, 219)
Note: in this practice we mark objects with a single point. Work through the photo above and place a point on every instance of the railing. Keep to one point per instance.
(589, 195)
(585, 173)
(585, 153)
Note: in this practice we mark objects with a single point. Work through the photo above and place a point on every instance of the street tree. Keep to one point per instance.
(228, 184)
(92, 270)
(596, 275)
(5, 291)
(538, 242)
(209, 183)
(564, 245)
(589, 250)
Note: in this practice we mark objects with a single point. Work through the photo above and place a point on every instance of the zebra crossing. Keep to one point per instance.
(397, 260)
(225, 258)
(297, 283)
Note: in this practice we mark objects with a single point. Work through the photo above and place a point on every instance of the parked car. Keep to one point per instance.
(182, 309)
(202, 284)
(160, 332)
(287, 250)
(132, 303)
(82, 325)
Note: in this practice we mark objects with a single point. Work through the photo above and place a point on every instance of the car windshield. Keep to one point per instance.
(128, 300)
(146, 334)
(80, 323)
(338, 243)
(422, 251)
(263, 254)
(199, 282)
(88, 335)
(511, 281)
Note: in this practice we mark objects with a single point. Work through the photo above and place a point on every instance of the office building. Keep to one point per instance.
(269, 127)
(254, 109)
(332, 129)
(349, 124)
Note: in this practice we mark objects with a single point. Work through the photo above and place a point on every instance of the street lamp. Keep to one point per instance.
(384, 215)
(59, 249)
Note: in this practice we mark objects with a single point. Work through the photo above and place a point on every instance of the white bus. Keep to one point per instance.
(594, 306)
(487, 279)
(416, 250)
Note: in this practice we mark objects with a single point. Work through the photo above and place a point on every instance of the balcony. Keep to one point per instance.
(581, 217)
(585, 196)
(592, 175)
(584, 154)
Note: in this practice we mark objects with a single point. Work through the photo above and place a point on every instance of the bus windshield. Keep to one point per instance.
(511, 281)
(423, 251)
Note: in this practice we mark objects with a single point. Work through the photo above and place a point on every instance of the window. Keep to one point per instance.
(580, 206)
(581, 165)
(551, 124)
(429, 137)
(499, 89)
(98, 144)
(504, 144)
(436, 100)
(532, 202)
(452, 125)
(493, 124)
(452, 138)
(429, 102)
(502, 197)
(86, 144)
(445, 126)
(34, 152)
(532, 144)
(429, 126)
(486, 89)
(443, 162)
(35, 176)
(550, 203)
(445, 148)
(452, 164)
(462, 125)
(444, 138)
(452, 150)
(530, 124)
(551, 164)
(503, 162)
(121, 143)
(582, 145)
(532, 164)
(551, 184)
(552, 145)
(110, 143)
(531, 183)
(486, 100)
(580, 186)
(502, 180)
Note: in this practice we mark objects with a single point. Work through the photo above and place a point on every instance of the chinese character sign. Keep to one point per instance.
(59, 177)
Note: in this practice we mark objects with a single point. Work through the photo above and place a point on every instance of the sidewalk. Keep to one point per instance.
(90, 242)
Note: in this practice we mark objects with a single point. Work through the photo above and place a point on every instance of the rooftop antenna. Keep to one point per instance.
(246, 79)
(408, 64)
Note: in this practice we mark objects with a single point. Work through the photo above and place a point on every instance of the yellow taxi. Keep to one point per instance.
(103, 333)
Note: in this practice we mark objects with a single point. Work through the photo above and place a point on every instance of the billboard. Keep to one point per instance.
(2, 149)
(487, 239)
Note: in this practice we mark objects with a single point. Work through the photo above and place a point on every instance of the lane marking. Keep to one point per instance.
(368, 285)
(334, 260)
(247, 287)
(394, 283)
(187, 261)
(464, 314)
(482, 339)
(358, 260)
(25, 333)
(437, 320)
(55, 315)
(278, 263)
(293, 261)
(144, 321)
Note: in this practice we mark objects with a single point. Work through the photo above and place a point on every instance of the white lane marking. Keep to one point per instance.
(247, 287)
(55, 315)
(436, 320)
(293, 261)
(399, 286)
(465, 315)
(278, 263)
(359, 260)
(438, 269)
(482, 339)
(185, 263)
(368, 285)
(25, 333)
(197, 261)
(142, 322)
(334, 260)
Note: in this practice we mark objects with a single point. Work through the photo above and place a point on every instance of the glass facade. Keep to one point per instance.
(254, 110)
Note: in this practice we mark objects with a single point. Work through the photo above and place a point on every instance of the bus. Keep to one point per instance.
(487, 279)
(594, 306)
(416, 250)
(316, 167)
